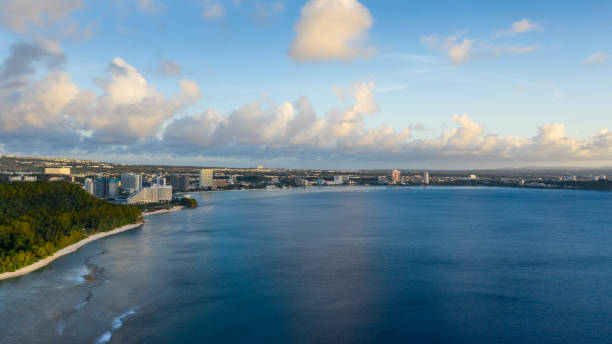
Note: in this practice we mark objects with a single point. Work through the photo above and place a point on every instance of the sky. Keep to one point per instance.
(308, 84)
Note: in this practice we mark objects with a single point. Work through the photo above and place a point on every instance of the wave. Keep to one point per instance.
(115, 325)
(104, 338)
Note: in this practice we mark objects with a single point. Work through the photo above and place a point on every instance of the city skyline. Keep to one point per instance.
(310, 84)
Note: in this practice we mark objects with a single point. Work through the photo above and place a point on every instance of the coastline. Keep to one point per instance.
(74, 247)
(161, 211)
(64, 251)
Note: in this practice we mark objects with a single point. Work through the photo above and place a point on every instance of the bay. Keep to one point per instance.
(335, 265)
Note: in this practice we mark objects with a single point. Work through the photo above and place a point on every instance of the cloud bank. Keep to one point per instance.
(43, 111)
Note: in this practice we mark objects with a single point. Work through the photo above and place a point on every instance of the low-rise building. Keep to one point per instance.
(57, 170)
(219, 183)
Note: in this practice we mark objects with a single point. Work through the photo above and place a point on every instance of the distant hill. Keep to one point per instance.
(38, 219)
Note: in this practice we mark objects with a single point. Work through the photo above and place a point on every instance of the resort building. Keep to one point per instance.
(88, 185)
(396, 176)
(57, 170)
(179, 182)
(131, 182)
(112, 186)
(154, 194)
(206, 178)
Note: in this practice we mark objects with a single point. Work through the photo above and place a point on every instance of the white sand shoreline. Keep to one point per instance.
(72, 248)
(161, 211)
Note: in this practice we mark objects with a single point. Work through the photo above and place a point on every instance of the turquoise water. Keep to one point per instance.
(336, 265)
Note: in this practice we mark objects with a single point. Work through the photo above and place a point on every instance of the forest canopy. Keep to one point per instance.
(37, 219)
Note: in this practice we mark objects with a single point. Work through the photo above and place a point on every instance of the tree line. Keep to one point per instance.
(37, 219)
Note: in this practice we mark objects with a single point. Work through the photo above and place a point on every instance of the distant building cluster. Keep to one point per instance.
(22, 178)
(152, 184)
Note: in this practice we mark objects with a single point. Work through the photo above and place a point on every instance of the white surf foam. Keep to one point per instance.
(115, 325)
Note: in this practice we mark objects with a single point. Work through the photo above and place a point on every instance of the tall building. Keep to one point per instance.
(206, 178)
(179, 182)
(131, 182)
(426, 178)
(100, 186)
(340, 179)
(155, 194)
(395, 176)
(158, 181)
(57, 170)
(112, 187)
(88, 185)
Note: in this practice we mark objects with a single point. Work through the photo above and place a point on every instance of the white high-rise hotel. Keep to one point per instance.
(206, 178)
(131, 182)
(396, 176)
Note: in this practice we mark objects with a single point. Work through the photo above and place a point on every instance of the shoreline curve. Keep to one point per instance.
(74, 247)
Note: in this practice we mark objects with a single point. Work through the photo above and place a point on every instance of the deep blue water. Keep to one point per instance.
(336, 265)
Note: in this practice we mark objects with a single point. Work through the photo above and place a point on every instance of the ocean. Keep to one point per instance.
(335, 265)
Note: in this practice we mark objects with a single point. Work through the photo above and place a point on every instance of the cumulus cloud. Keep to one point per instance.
(288, 127)
(295, 130)
(25, 57)
(332, 30)
(596, 58)
(127, 114)
(551, 145)
(127, 109)
(461, 49)
(518, 27)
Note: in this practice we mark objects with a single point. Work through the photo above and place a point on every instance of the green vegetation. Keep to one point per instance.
(38, 219)
(189, 202)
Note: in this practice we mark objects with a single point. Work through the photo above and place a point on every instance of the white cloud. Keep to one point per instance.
(332, 30)
(150, 6)
(596, 58)
(127, 109)
(51, 18)
(521, 26)
(190, 89)
(289, 127)
(461, 50)
(212, 9)
(460, 53)
(20, 15)
(40, 105)
(129, 114)
(168, 68)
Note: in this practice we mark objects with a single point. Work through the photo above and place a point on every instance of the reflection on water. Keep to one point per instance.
(335, 265)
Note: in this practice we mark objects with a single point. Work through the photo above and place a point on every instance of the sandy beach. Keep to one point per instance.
(66, 250)
(175, 208)
(69, 249)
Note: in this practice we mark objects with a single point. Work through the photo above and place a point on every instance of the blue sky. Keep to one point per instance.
(509, 82)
